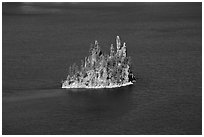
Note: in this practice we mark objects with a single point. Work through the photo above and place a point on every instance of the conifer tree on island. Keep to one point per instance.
(99, 70)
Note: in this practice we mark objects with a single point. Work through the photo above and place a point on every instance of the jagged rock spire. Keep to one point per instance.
(112, 50)
(95, 52)
(96, 47)
(124, 50)
(118, 43)
(85, 62)
(96, 42)
(124, 44)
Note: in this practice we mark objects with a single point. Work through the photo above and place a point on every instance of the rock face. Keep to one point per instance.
(102, 71)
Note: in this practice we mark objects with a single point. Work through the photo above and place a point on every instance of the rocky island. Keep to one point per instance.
(100, 70)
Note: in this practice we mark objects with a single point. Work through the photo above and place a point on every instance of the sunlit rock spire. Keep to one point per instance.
(96, 44)
(95, 51)
(118, 43)
(85, 62)
(124, 50)
(112, 52)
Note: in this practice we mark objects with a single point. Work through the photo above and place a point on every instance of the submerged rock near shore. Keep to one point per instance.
(99, 70)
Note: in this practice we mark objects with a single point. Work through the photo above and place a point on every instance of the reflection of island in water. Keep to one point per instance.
(100, 70)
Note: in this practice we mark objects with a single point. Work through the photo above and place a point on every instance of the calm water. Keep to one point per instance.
(40, 41)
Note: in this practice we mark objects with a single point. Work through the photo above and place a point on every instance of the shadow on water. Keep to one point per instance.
(100, 102)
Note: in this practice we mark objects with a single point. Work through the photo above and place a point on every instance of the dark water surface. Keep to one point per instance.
(40, 41)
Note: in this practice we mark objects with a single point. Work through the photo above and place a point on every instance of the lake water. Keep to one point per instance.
(41, 41)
